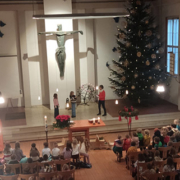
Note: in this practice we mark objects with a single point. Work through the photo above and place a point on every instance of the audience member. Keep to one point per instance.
(67, 152)
(173, 139)
(140, 136)
(46, 150)
(166, 137)
(75, 149)
(157, 142)
(133, 148)
(170, 143)
(135, 139)
(27, 170)
(149, 170)
(157, 133)
(157, 156)
(126, 143)
(13, 160)
(147, 138)
(177, 123)
(148, 154)
(18, 152)
(34, 153)
(177, 136)
(169, 167)
(55, 151)
(7, 152)
(45, 158)
(172, 153)
(46, 168)
(118, 145)
(170, 131)
(84, 149)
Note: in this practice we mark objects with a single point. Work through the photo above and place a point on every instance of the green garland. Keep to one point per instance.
(128, 112)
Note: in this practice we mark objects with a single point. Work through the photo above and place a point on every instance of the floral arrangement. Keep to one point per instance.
(62, 121)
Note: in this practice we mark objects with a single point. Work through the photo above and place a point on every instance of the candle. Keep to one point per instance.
(116, 102)
(97, 87)
(98, 120)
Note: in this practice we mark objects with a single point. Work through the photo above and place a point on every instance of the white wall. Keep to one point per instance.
(170, 9)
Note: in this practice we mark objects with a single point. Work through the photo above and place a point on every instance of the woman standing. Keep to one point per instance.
(73, 102)
(56, 105)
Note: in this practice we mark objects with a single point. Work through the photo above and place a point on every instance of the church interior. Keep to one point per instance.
(89, 89)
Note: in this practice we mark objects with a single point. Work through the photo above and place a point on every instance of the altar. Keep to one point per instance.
(83, 126)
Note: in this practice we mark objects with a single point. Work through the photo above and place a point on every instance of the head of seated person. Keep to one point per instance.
(45, 145)
(133, 143)
(45, 157)
(65, 167)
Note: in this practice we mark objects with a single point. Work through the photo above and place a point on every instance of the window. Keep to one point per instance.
(173, 42)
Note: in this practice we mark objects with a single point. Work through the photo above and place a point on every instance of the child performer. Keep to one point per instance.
(56, 105)
(73, 102)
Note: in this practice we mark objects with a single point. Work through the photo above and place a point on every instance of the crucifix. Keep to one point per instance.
(60, 51)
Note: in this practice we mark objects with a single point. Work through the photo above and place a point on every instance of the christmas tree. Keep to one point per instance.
(138, 72)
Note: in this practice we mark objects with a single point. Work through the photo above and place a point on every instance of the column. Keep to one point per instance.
(66, 84)
(24, 58)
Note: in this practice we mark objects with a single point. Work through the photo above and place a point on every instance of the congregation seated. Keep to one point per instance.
(55, 151)
(67, 151)
(169, 167)
(13, 160)
(148, 171)
(18, 152)
(7, 152)
(46, 150)
(34, 153)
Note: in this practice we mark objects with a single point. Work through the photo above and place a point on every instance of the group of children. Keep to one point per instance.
(72, 150)
(72, 104)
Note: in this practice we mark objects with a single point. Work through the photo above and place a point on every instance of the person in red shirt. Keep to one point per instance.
(102, 95)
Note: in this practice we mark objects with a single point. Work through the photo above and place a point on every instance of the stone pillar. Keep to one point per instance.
(24, 58)
(66, 84)
(90, 49)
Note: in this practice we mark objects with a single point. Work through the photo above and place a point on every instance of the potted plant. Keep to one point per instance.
(62, 121)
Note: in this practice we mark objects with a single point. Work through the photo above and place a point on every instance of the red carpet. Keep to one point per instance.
(161, 106)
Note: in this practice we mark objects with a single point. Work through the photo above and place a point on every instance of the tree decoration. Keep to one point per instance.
(149, 33)
(133, 87)
(161, 50)
(123, 78)
(153, 56)
(128, 113)
(150, 77)
(128, 44)
(138, 61)
(146, 22)
(126, 63)
(132, 12)
(152, 87)
(158, 36)
(121, 35)
(138, 54)
(147, 63)
(124, 23)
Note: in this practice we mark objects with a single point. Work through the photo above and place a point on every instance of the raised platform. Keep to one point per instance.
(34, 129)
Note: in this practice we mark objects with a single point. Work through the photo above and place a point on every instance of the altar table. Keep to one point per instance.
(83, 126)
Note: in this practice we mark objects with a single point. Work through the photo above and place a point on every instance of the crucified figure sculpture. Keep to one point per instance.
(60, 51)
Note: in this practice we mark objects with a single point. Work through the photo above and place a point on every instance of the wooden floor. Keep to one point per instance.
(104, 163)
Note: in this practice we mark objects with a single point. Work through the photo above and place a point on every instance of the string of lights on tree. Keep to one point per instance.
(138, 71)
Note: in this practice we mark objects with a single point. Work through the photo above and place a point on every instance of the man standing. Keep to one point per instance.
(102, 95)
